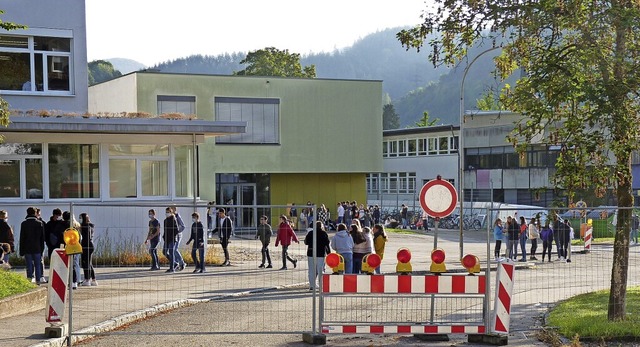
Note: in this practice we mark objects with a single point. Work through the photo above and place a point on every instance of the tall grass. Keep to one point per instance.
(13, 283)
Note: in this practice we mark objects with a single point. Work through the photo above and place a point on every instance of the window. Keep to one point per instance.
(422, 146)
(74, 171)
(443, 145)
(261, 114)
(138, 170)
(393, 148)
(176, 104)
(433, 146)
(412, 147)
(35, 64)
(385, 151)
(21, 170)
(402, 148)
(184, 171)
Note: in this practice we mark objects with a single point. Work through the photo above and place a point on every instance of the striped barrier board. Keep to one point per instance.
(588, 236)
(401, 284)
(58, 281)
(403, 329)
(504, 289)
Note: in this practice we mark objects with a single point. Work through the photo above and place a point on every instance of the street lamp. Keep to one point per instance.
(461, 149)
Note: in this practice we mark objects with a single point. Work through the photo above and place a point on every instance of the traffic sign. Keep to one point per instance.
(438, 198)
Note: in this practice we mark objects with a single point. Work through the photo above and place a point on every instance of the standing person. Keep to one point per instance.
(635, 223)
(323, 214)
(322, 249)
(342, 243)
(53, 231)
(566, 240)
(285, 236)
(522, 237)
(293, 215)
(153, 238)
(32, 244)
(558, 236)
(264, 235)
(376, 214)
(310, 214)
(547, 240)
(340, 212)
(224, 229)
(6, 236)
(86, 230)
(197, 236)
(211, 212)
(404, 211)
(69, 222)
(497, 236)
(170, 237)
(513, 230)
(360, 246)
(534, 234)
(181, 226)
(379, 242)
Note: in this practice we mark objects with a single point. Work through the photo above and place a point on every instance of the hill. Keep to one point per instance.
(125, 66)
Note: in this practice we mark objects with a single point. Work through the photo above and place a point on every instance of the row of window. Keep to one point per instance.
(35, 64)
(261, 114)
(540, 156)
(54, 171)
(391, 182)
(420, 147)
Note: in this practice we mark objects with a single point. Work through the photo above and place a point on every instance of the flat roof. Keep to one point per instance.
(96, 125)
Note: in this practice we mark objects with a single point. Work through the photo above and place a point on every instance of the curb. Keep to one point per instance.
(33, 300)
(127, 318)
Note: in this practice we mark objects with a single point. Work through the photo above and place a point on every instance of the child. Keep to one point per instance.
(197, 236)
(285, 236)
(264, 235)
(379, 241)
(547, 239)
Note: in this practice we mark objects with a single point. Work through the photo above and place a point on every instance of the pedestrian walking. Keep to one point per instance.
(286, 235)
(197, 237)
(546, 234)
(170, 237)
(264, 235)
(153, 239)
(224, 229)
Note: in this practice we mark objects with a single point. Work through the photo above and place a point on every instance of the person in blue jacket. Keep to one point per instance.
(497, 236)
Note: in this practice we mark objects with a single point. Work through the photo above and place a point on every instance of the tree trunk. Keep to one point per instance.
(619, 272)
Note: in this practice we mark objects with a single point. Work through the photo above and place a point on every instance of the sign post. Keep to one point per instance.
(438, 199)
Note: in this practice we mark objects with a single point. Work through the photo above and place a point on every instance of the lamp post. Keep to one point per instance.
(461, 148)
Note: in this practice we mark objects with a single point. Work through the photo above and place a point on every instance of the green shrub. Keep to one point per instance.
(13, 283)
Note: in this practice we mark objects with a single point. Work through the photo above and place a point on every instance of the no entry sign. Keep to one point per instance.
(438, 198)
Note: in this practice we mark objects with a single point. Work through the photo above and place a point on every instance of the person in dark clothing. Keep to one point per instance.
(6, 236)
(197, 236)
(170, 238)
(86, 230)
(264, 235)
(322, 249)
(32, 243)
(153, 238)
(513, 231)
(53, 231)
(224, 229)
(561, 236)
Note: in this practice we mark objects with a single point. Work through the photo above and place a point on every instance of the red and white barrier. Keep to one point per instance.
(588, 236)
(403, 329)
(58, 281)
(426, 284)
(504, 290)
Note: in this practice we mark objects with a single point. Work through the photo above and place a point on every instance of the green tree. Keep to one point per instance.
(271, 61)
(390, 119)
(425, 121)
(4, 105)
(488, 102)
(101, 71)
(580, 90)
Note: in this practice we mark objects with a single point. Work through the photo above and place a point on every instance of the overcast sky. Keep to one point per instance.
(153, 31)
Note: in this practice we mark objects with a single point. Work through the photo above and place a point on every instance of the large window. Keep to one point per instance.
(391, 182)
(138, 170)
(176, 104)
(35, 64)
(74, 171)
(20, 170)
(261, 114)
(184, 171)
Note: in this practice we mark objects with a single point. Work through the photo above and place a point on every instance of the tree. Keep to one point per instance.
(488, 102)
(580, 90)
(101, 71)
(390, 119)
(271, 61)
(4, 105)
(425, 121)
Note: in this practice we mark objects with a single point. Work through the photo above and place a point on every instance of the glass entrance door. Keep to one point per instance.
(244, 218)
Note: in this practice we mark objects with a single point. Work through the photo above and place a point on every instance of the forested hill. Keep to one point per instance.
(410, 80)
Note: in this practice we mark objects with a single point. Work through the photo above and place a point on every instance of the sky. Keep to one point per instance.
(154, 31)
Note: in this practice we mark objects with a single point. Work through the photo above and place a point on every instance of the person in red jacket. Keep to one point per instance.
(285, 236)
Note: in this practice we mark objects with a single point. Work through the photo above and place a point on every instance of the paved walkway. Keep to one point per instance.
(138, 290)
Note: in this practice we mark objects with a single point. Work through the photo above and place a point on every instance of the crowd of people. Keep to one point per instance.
(517, 232)
(36, 236)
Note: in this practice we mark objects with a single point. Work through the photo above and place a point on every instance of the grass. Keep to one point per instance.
(599, 240)
(584, 317)
(13, 283)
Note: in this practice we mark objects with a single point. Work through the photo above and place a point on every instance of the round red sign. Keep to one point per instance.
(438, 198)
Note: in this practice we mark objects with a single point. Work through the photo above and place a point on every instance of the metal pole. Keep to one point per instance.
(461, 148)
(487, 272)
